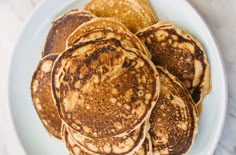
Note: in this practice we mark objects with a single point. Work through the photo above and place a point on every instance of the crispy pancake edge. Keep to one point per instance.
(50, 57)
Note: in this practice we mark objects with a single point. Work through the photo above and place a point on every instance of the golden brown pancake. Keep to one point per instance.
(127, 144)
(134, 14)
(146, 148)
(71, 145)
(42, 96)
(109, 28)
(102, 89)
(174, 118)
(181, 54)
(148, 3)
(62, 27)
(199, 109)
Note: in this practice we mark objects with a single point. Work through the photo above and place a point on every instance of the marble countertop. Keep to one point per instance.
(219, 14)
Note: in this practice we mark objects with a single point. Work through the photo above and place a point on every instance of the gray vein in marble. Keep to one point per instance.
(232, 115)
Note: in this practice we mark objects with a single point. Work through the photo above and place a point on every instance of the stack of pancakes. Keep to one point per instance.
(114, 80)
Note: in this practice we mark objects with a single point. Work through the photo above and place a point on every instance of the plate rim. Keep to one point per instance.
(219, 131)
(18, 142)
(225, 95)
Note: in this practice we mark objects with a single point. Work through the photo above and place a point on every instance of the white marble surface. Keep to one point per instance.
(219, 14)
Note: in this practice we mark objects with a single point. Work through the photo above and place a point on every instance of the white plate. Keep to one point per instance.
(31, 133)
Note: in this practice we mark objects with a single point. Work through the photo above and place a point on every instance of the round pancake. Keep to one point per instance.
(127, 144)
(134, 14)
(71, 145)
(102, 89)
(181, 54)
(62, 27)
(42, 96)
(146, 148)
(109, 28)
(174, 118)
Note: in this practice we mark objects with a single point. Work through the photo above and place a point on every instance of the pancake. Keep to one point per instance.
(174, 118)
(199, 109)
(181, 54)
(102, 89)
(127, 144)
(146, 148)
(109, 28)
(71, 145)
(148, 3)
(62, 27)
(75, 149)
(134, 14)
(42, 96)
